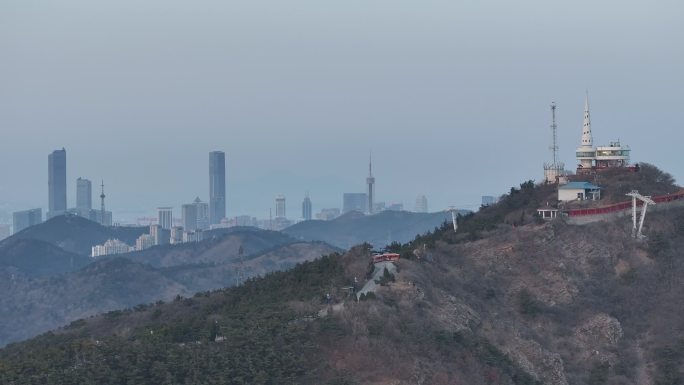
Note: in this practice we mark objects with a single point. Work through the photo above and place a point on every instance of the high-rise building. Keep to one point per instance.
(165, 215)
(84, 195)
(370, 181)
(421, 204)
(306, 208)
(217, 186)
(202, 214)
(280, 207)
(57, 196)
(189, 216)
(26, 218)
(354, 202)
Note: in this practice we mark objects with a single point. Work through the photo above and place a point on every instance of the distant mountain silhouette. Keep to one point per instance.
(45, 287)
(221, 246)
(34, 258)
(76, 234)
(379, 230)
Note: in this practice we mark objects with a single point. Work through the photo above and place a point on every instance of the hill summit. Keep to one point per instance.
(535, 303)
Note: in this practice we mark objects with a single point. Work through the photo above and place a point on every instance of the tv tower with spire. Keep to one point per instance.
(370, 181)
(102, 206)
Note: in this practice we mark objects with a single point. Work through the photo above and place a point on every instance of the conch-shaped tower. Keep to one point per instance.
(586, 153)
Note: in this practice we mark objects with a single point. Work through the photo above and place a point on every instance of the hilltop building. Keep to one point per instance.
(328, 214)
(573, 191)
(26, 218)
(145, 241)
(57, 196)
(112, 246)
(202, 209)
(488, 200)
(217, 187)
(84, 195)
(421, 204)
(280, 206)
(306, 208)
(590, 158)
(193, 236)
(176, 235)
(354, 202)
(160, 235)
(395, 207)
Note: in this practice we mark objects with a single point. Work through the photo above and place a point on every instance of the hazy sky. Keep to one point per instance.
(452, 97)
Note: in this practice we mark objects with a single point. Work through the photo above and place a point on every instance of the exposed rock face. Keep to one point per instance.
(543, 365)
(601, 329)
(453, 314)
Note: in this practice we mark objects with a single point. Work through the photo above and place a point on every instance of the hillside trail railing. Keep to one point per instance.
(679, 196)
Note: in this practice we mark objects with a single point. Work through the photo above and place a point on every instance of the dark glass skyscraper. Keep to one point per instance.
(217, 186)
(57, 199)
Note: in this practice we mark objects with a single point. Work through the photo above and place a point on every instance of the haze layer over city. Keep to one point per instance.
(452, 99)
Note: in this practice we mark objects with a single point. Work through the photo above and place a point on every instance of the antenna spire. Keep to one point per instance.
(102, 205)
(554, 146)
(370, 164)
(587, 140)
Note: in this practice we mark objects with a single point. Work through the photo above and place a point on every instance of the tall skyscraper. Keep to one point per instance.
(26, 218)
(217, 186)
(165, 217)
(370, 181)
(280, 206)
(84, 194)
(57, 196)
(189, 215)
(306, 208)
(421, 204)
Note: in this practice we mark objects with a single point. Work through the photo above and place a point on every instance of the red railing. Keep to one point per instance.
(622, 206)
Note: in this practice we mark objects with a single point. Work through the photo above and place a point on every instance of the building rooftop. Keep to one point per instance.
(578, 186)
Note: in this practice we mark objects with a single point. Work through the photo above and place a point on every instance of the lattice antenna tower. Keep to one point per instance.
(554, 128)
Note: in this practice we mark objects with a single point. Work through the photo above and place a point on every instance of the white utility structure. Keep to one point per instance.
(453, 212)
(636, 233)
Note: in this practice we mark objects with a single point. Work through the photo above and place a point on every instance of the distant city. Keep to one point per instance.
(188, 223)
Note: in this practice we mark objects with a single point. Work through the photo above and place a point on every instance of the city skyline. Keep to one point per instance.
(443, 93)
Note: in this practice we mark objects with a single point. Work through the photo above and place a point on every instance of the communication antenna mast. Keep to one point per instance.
(554, 170)
(554, 146)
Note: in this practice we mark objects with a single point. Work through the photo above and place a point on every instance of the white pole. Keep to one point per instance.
(643, 215)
